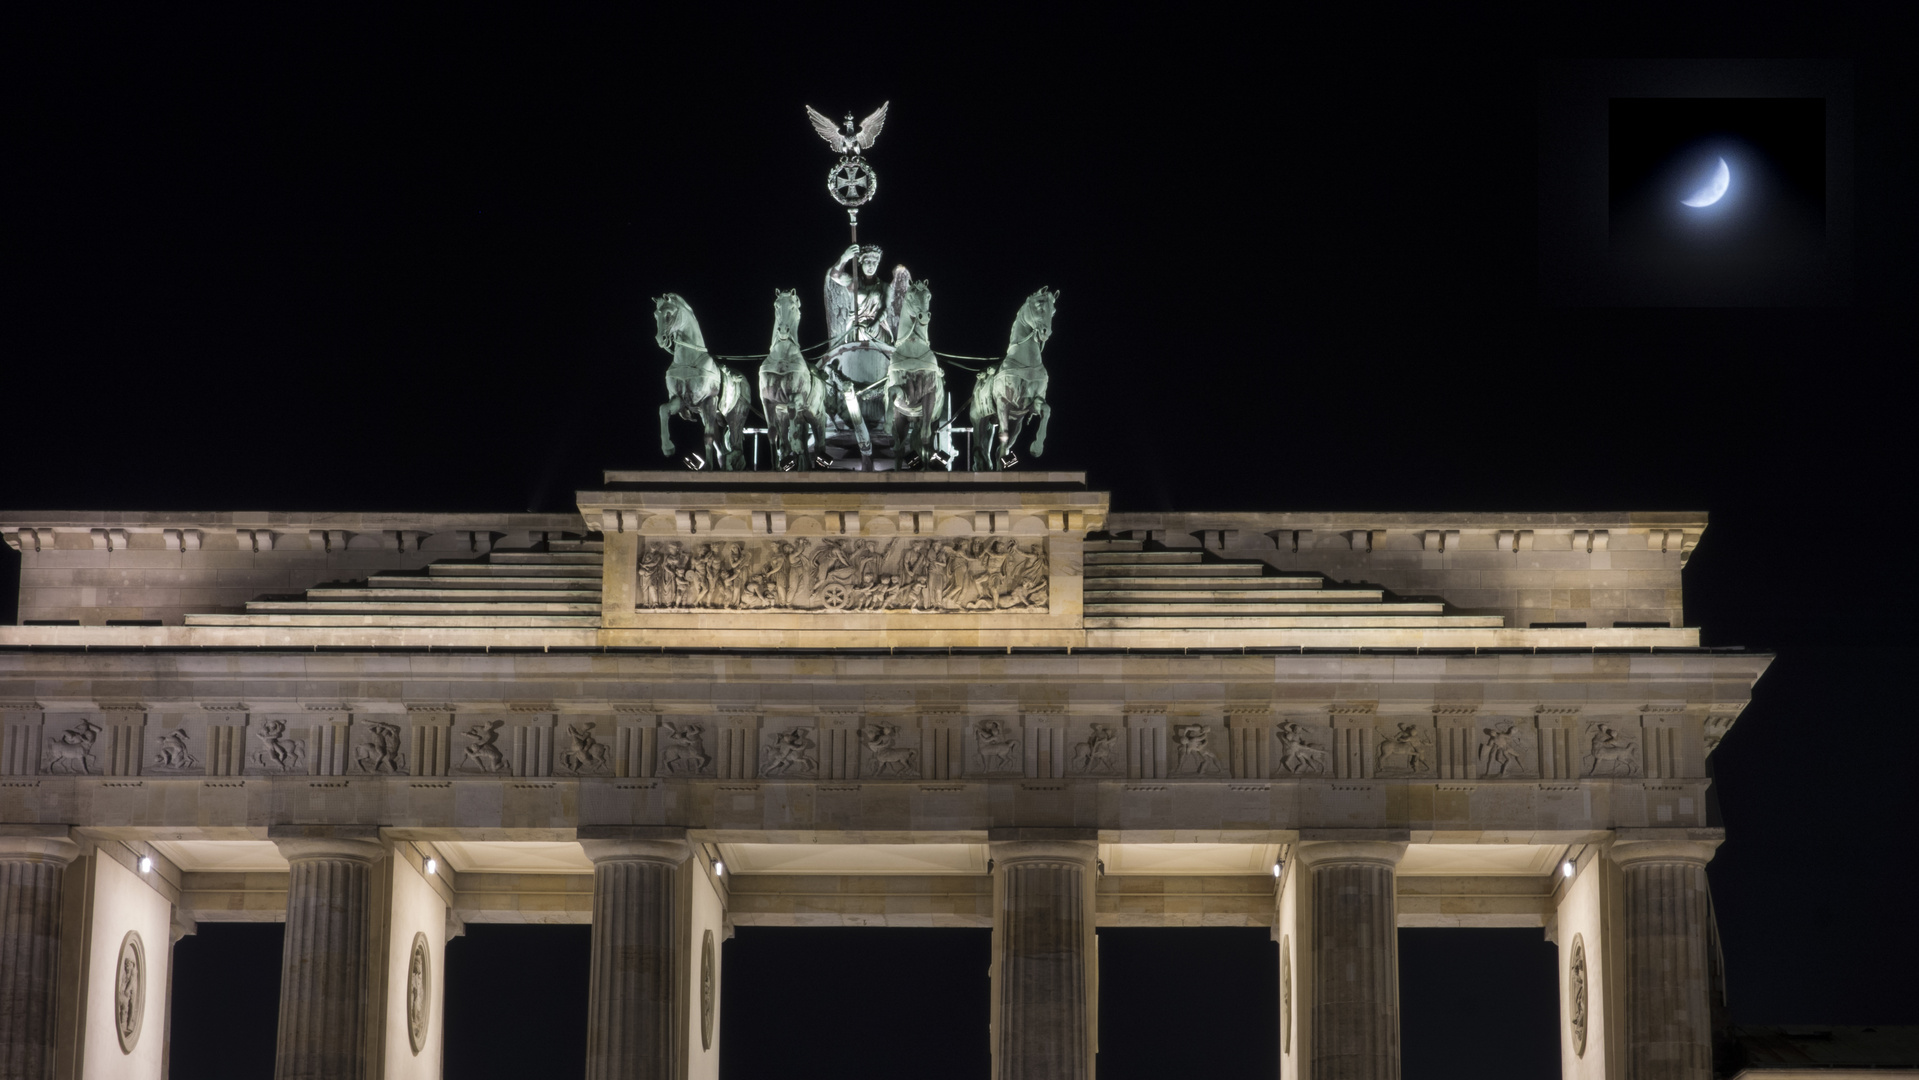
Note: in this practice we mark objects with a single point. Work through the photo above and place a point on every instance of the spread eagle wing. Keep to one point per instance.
(831, 132)
(896, 294)
(870, 127)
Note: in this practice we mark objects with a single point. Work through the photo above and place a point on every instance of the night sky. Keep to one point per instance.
(360, 261)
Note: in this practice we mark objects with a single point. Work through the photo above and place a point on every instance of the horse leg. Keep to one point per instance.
(1039, 432)
(710, 427)
(736, 432)
(861, 435)
(666, 437)
(1010, 423)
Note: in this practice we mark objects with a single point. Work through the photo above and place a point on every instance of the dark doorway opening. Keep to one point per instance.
(1188, 1002)
(1478, 1004)
(854, 1003)
(226, 1001)
(516, 999)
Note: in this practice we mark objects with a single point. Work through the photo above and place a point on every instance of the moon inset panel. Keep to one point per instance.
(1716, 187)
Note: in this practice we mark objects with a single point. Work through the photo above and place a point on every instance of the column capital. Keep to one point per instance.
(301, 848)
(1695, 848)
(670, 852)
(47, 849)
(1006, 853)
(1386, 853)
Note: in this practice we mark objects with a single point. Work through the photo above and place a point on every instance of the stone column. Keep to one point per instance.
(637, 968)
(324, 965)
(31, 868)
(1043, 978)
(1355, 966)
(1667, 913)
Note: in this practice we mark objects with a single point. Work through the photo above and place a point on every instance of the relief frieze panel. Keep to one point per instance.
(932, 575)
(1508, 747)
(1403, 748)
(1303, 749)
(1611, 750)
(1098, 753)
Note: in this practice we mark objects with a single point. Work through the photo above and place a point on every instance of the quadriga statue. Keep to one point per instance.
(792, 396)
(1013, 391)
(915, 387)
(697, 387)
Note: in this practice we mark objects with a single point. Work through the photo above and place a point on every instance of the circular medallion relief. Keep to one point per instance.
(706, 992)
(419, 992)
(1576, 994)
(130, 991)
(1286, 994)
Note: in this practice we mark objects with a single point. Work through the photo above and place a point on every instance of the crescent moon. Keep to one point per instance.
(1710, 194)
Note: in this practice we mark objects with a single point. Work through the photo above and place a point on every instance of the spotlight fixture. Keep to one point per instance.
(433, 866)
(1277, 867)
(1566, 868)
(146, 864)
(718, 867)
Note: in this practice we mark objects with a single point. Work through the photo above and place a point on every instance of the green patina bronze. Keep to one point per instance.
(1014, 391)
(915, 386)
(699, 388)
(792, 396)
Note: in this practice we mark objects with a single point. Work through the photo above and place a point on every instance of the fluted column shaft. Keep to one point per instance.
(1355, 942)
(637, 968)
(323, 972)
(31, 869)
(1042, 942)
(1668, 983)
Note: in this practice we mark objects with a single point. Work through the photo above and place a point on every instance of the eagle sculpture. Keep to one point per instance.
(848, 141)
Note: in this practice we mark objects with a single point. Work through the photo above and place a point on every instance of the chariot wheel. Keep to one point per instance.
(835, 596)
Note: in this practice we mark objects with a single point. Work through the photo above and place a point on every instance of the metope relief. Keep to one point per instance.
(1404, 750)
(1576, 994)
(173, 752)
(683, 750)
(996, 746)
(70, 753)
(585, 754)
(276, 751)
(419, 991)
(789, 753)
(1610, 751)
(1093, 756)
(482, 753)
(883, 757)
(379, 752)
(902, 573)
(1507, 748)
(1192, 756)
(1297, 754)
(130, 991)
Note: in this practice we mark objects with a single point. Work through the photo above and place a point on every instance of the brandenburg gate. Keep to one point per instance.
(851, 698)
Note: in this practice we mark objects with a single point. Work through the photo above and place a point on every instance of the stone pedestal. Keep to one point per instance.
(31, 869)
(1355, 963)
(1043, 974)
(323, 974)
(1668, 1022)
(631, 1024)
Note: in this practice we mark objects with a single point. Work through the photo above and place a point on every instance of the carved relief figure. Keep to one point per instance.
(887, 757)
(72, 753)
(1296, 755)
(1401, 752)
(997, 745)
(586, 752)
(483, 749)
(277, 752)
(1501, 751)
(788, 753)
(382, 754)
(129, 991)
(174, 752)
(1612, 754)
(929, 574)
(1095, 755)
(1190, 741)
(1576, 994)
(418, 1006)
(686, 750)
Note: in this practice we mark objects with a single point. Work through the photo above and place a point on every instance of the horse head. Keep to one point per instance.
(786, 314)
(1036, 317)
(668, 312)
(916, 310)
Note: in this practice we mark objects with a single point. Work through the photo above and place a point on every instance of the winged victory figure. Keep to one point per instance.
(848, 141)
